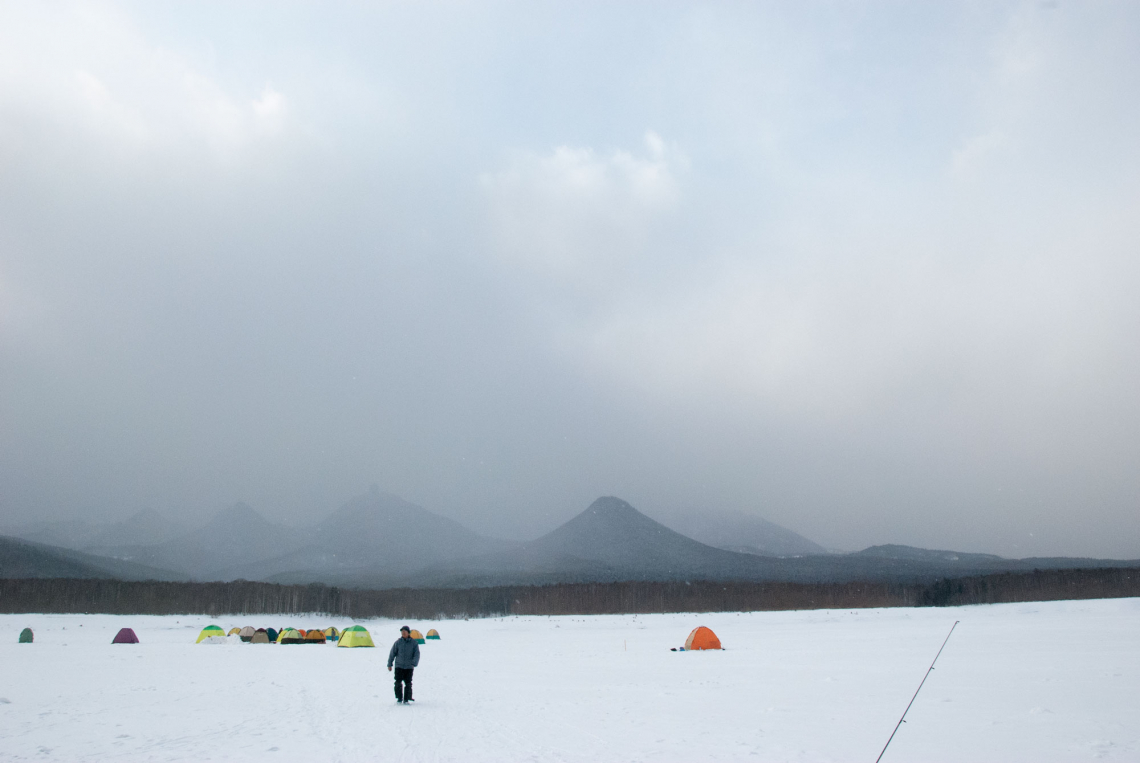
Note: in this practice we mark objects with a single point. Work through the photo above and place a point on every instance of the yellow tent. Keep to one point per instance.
(290, 636)
(419, 637)
(357, 635)
(209, 630)
(234, 632)
(432, 635)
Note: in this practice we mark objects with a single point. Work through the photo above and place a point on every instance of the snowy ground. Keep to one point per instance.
(1056, 681)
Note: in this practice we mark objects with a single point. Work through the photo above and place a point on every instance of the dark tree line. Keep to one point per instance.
(1038, 585)
(66, 595)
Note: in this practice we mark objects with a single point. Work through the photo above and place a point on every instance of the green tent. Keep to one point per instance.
(290, 636)
(208, 632)
(355, 636)
(26, 636)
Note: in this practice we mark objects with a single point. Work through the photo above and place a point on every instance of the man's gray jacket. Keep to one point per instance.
(405, 653)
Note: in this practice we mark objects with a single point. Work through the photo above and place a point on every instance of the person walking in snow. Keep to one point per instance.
(405, 654)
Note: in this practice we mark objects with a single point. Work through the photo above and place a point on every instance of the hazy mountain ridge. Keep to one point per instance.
(612, 541)
(378, 540)
(740, 532)
(26, 559)
(897, 551)
(309, 564)
(950, 560)
(146, 527)
(375, 536)
(234, 536)
(404, 535)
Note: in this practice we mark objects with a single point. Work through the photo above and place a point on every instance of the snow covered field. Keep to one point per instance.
(1057, 681)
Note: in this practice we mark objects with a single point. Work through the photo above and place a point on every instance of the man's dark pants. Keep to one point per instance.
(404, 676)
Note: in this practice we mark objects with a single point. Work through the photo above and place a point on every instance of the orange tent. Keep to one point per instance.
(702, 638)
(315, 637)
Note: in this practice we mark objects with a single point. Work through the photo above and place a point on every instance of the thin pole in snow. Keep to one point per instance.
(916, 691)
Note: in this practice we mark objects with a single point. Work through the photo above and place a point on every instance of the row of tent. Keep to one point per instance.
(354, 636)
(357, 635)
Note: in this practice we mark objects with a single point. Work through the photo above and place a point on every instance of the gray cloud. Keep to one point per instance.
(866, 273)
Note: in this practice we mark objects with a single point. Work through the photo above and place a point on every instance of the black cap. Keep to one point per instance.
(405, 628)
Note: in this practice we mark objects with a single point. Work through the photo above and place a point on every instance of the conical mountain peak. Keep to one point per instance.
(609, 515)
(373, 506)
(610, 505)
(612, 531)
(239, 515)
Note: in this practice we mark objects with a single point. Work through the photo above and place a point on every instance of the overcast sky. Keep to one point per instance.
(870, 271)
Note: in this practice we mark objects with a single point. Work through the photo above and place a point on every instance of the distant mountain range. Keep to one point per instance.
(375, 536)
(378, 540)
(233, 537)
(25, 559)
(612, 541)
(144, 528)
(744, 533)
(608, 541)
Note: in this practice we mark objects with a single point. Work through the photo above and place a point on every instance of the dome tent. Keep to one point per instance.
(432, 635)
(357, 635)
(125, 636)
(272, 633)
(315, 636)
(234, 632)
(26, 636)
(247, 632)
(234, 640)
(419, 637)
(331, 633)
(290, 636)
(260, 636)
(702, 638)
(208, 631)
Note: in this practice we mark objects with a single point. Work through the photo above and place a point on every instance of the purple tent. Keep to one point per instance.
(126, 636)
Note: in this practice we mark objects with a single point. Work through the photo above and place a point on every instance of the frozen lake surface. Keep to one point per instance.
(1055, 681)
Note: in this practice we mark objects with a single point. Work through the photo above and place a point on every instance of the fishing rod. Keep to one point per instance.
(916, 691)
